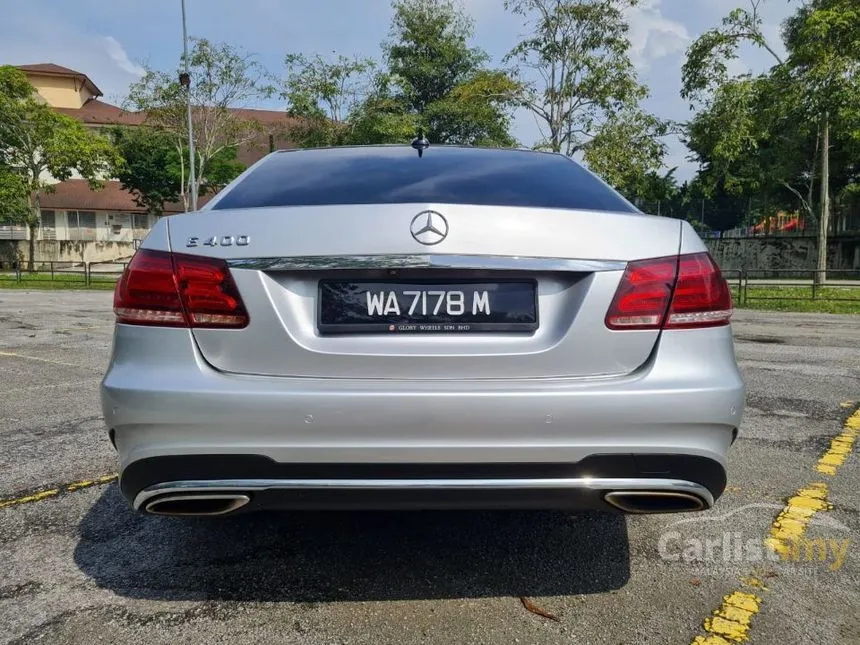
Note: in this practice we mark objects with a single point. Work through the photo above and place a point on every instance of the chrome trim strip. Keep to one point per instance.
(583, 483)
(393, 261)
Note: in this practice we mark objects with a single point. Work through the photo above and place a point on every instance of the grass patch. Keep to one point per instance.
(829, 300)
(60, 280)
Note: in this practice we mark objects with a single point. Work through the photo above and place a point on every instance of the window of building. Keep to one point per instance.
(48, 222)
(141, 221)
(49, 219)
(82, 225)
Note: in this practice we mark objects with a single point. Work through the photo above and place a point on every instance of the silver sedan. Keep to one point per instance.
(369, 327)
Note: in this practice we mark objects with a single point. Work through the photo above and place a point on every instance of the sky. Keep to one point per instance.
(110, 40)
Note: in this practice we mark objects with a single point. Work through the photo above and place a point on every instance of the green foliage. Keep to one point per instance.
(627, 152)
(432, 80)
(758, 136)
(823, 41)
(707, 61)
(148, 169)
(152, 167)
(443, 81)
(428, 51)
(14, 197)
(580, 51)
(36, 141)
(327, 99)
(382, 117)
(222, 77)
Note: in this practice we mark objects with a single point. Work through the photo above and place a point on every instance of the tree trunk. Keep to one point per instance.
(33, 227)
(811, 193)
(824, 220)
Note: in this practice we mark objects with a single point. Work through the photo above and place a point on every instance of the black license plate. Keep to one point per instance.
(424, 307)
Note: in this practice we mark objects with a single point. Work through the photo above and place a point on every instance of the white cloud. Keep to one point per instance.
(653, 36)
(33, 34)
(118, 55)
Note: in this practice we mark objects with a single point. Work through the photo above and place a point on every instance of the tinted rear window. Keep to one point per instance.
(391, 175)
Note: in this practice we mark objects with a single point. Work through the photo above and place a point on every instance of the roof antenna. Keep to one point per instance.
(420, 143)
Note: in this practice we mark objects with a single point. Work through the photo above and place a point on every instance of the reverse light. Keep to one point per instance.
(177, 290)
(675, 292)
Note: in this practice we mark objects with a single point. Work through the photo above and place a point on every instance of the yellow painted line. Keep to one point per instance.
(790, 525)
(732, 620)
(36, 358)
(47, 493)
(840, 447)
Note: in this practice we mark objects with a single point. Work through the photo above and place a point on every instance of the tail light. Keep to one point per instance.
(175, 290)
(678, 292)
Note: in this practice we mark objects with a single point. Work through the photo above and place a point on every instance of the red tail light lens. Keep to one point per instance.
(702, 297)
(671, 293)
(175, 290)
(146, 294)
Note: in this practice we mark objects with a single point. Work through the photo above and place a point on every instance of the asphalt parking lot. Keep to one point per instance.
(78, 566)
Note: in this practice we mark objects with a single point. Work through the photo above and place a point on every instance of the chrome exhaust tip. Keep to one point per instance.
(197, 505)
(654, 501)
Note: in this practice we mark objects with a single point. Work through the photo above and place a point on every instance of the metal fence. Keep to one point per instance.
(68, 274)
(11, 232)
(748, 285)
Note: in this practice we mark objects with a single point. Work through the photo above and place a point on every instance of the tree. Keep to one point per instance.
(148, 168)
(430, 79)
(707, 61)
(443, 81)
(770, 132)
(222, 78)
(341, 102)
(579, 52)
(752, 140)
(151, 168)
(823, 41)
(38, 144)
(627, 152)
(745, 137)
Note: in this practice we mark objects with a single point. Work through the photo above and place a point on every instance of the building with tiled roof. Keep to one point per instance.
(74, 211)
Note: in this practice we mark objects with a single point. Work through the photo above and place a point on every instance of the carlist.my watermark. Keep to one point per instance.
(709, 547)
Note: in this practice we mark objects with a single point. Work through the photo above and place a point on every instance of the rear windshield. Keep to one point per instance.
(447, 175)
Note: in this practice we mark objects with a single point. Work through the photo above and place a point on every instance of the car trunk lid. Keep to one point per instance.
(279, 256)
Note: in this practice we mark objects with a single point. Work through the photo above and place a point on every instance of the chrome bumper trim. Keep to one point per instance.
(359, 262)
(578, 483)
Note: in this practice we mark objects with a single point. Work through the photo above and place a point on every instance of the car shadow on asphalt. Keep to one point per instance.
(351, 556)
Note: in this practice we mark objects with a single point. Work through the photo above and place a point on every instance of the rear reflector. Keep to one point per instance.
(175, 290)
(673, 292)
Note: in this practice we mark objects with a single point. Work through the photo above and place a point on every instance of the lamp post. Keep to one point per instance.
(185, 81)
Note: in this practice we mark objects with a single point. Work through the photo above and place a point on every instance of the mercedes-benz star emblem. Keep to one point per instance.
(429, 228)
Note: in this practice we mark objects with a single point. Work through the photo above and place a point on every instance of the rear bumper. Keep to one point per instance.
(175, 420)
(269, 484)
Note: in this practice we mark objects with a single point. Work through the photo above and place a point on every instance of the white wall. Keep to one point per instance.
(110, 227)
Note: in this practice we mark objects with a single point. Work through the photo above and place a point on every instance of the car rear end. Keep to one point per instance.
(362, 327)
